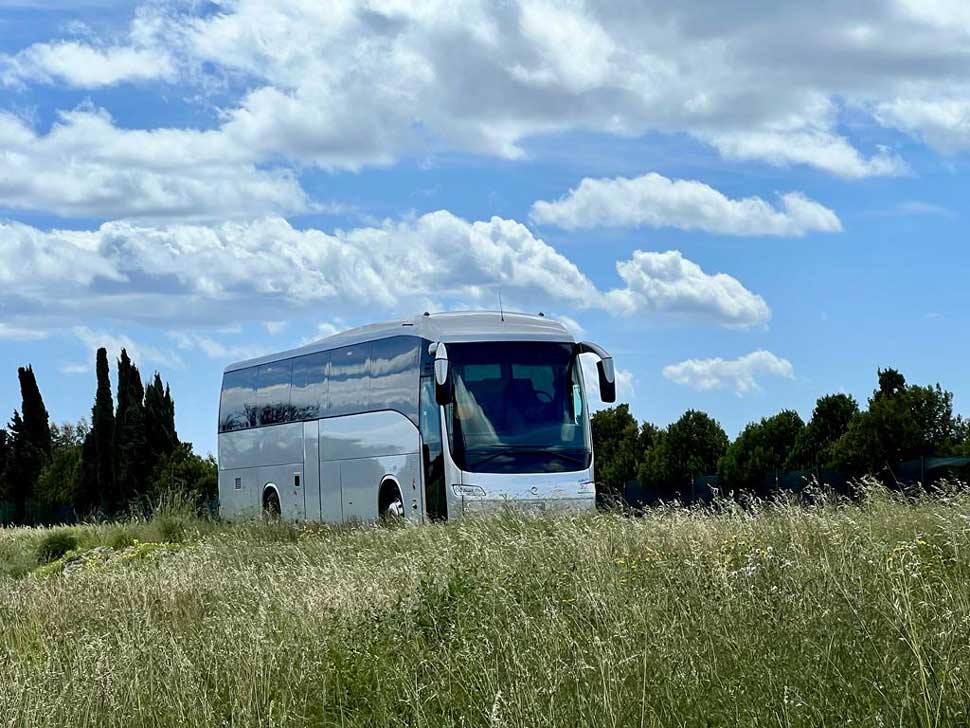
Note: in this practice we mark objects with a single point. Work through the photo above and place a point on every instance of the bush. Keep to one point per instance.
(170, 529)
(55, 545)
(122, 538)
(184, 472)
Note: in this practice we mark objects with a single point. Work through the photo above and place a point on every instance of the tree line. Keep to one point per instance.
(901, 422)
(129, 454)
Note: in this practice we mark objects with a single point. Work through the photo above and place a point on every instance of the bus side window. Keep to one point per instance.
(349, 381)
(393, 367)
(273, 394)
(237, 408)
(309, 393)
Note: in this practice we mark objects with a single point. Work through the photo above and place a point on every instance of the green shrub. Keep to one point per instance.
(54, 545)
(122, 538)
(170, 529)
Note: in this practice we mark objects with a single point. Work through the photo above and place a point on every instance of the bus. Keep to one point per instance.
(431, 418)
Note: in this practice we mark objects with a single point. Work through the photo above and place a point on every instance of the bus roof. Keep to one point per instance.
(447, 327)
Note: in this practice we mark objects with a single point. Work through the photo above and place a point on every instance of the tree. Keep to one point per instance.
(688, 448)
(23, 464)
(159, 420)
(36, 421)
(58, 483)
(761, 450)
(815, 444)
(182, 471)
(4, 454)
(132, 460)
(902, 422)
(618, 444)
(30, 446)
(97, 486)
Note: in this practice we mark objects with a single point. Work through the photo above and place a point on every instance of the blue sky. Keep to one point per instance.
(749, 206)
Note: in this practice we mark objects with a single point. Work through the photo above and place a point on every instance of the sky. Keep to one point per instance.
(749, 204)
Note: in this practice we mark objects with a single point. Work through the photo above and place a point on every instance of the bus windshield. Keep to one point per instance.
(518, 408)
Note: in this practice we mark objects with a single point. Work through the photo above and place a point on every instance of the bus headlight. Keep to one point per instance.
(587, 486)
(469, 491)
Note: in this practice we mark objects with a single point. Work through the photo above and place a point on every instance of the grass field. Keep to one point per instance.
(833, 616)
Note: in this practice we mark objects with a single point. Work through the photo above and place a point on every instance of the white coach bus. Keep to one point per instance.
(425, 419)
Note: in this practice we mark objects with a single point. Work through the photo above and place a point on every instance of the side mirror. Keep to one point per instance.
(442, 375)
(605, 368)
(607, 380)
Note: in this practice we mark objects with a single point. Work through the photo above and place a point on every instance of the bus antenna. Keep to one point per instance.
(501, 311)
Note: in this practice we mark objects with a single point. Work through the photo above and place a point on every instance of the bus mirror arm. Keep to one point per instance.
(605, 369)
(442, 373)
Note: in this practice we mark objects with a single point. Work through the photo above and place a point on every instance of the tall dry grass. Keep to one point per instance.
(772, 616)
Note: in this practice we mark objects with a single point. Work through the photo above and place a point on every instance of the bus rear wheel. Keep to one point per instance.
(271, 505)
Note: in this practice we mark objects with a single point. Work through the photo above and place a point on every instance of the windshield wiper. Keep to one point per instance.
(511, 449)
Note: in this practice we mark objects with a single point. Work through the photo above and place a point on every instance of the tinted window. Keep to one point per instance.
(393, 370)
(348, 380)
(273, 393)
(237, 410)
(308, 395)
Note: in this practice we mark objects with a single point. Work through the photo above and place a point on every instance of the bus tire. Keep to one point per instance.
(271, 505)
(390, 505)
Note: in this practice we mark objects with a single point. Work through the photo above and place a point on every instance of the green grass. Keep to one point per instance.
(835, 615)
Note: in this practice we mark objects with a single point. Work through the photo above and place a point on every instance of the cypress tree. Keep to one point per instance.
(30, 445)
(132, 458)
(4, 458)
(23, 465)
(36, 420)
(4, 451)
(87, 498)
(159, 421)
(103, 432)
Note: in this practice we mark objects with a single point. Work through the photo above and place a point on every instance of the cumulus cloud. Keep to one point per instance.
(821, 149)
(656, 201)
(86, 167)
(346, 84)
(943, 122)
(258, 270)
(740, 374)
(670, 283)
(83, 66)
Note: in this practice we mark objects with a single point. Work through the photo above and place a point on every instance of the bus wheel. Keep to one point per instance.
(271, 505)
(391, 506)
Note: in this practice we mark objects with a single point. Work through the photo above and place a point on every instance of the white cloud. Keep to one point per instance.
(217, 274)
(820, 149)
(83, 66)
(86, 167)
(214, 349)
(16, 333)
(141, 354)
(670, 283)
(943, 121)
(737, 374)
(657, 201)
(352, 83)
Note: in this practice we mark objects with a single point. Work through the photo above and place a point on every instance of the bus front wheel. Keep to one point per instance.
(391, 505)
(271, 505)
